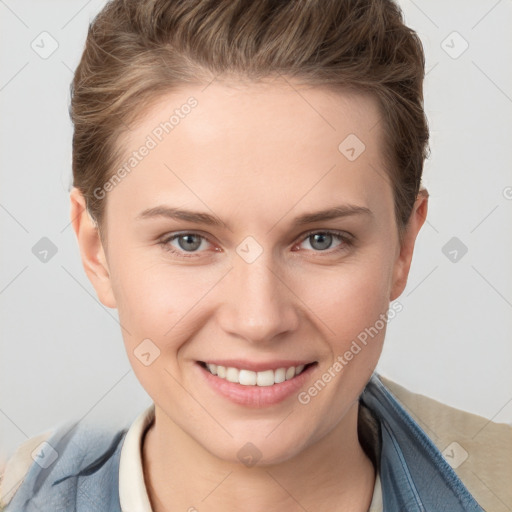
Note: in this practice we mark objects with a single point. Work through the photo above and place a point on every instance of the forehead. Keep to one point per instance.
(254, 108)
(249, 142)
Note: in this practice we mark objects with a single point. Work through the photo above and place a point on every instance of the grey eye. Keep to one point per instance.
(320, 241)
(187, 242)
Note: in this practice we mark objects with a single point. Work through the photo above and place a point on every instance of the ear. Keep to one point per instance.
(91, 249)
(403, 261)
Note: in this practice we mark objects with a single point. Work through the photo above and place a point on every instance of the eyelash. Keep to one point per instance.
(346, 239)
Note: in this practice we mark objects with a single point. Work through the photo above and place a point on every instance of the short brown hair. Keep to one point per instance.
(138, 50)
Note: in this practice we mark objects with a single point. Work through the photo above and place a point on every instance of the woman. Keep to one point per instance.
(247, 194)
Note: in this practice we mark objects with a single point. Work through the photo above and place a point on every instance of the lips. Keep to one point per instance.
(257, 395)
(246, 377)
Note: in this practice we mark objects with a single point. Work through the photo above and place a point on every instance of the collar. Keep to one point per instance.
(133, 494)
(132, 489)
(412, 472)
(414, 475)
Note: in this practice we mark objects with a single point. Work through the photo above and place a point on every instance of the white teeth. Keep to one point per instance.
(232, 374)
(247, 378)
(280, 375)
(265, 378)
(250, 378)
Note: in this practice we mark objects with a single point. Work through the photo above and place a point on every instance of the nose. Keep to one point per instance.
(258, 304)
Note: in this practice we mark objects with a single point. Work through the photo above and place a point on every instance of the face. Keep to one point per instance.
(248, 236)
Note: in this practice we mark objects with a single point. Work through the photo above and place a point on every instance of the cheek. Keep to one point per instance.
(155, 307)
(158, 301)
(351, 297)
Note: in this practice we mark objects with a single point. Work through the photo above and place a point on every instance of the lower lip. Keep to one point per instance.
(256, 396)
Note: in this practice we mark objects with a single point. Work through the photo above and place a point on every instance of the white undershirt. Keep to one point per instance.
(132, 489)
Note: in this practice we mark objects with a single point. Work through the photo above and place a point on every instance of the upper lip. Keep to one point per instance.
(255, 366)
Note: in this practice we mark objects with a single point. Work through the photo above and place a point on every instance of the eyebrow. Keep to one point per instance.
(335, 212)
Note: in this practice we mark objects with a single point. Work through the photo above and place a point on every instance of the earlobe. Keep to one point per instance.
(91, 248)
(403, 261)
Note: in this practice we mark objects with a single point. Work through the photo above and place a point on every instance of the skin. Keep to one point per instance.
(256, 156)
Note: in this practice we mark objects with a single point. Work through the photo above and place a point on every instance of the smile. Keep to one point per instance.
(255, 384)
(252, 378)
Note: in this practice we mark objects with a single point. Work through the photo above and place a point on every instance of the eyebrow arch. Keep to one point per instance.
(212, 220)
(335, 212)
(180, 214)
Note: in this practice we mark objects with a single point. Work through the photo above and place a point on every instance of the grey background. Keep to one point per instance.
(62, 354)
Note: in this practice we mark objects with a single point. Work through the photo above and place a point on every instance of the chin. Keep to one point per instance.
(258, 451)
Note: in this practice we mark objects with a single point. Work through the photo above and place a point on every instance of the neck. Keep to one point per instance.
(332, 474)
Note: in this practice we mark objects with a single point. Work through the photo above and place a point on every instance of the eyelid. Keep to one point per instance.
(164, 242)
(340, 233)
(347, 241)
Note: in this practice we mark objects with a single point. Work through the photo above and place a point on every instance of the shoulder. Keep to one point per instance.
(478, 449)
(71, 449)
(17, 466)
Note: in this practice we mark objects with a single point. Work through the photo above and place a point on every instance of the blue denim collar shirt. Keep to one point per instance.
(413, 474)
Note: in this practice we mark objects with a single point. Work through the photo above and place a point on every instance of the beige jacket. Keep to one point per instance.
(479, 450)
